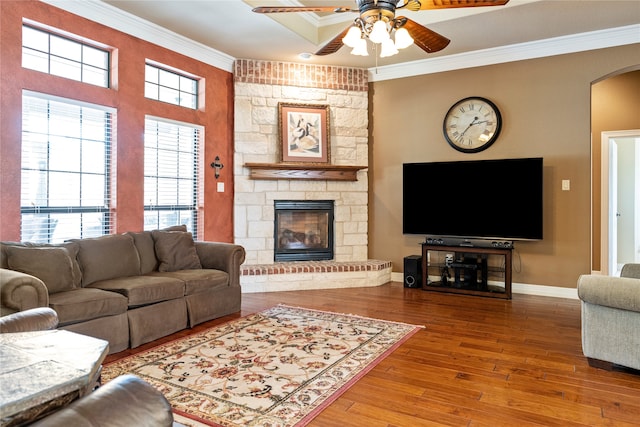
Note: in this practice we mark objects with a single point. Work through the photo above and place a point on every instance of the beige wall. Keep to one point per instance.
(545, 104)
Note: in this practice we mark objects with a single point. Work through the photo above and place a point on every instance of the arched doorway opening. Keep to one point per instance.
(615, 130)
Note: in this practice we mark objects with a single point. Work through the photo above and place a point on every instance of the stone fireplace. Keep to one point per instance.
(258, 87)
(303, 230)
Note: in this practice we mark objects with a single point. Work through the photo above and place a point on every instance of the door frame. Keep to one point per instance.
(605, 199)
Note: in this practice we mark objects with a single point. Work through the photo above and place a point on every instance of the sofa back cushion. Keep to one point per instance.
(631, 270)
(146, 251)
(175, 250)
(55, 265)
(146, 248)
(107, 257)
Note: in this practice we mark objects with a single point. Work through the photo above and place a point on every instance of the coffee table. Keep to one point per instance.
(45, 370)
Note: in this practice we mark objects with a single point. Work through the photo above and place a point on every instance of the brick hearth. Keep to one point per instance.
(289, 276)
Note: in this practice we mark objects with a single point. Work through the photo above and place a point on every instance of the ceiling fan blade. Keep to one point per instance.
(424, 38)
(334, 45)
(449, 4)
(281, 9)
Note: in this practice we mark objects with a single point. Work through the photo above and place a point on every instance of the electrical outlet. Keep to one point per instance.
(566, 185)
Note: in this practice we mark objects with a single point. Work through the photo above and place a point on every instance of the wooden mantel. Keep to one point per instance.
(310, 171)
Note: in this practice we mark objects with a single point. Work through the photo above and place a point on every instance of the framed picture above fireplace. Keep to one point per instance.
(303, 131)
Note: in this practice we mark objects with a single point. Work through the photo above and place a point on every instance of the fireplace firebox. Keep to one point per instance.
(303, 230)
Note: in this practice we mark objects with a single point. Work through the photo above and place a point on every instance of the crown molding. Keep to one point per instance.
(112, 17)
(516, 52)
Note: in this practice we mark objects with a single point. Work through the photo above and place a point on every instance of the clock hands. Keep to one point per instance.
(474, 122)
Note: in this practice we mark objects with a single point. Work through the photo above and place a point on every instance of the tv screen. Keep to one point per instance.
(485, 199)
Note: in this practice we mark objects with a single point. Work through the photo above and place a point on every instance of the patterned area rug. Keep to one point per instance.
(280, 367)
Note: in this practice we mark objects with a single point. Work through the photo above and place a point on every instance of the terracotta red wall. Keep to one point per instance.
(127, 96)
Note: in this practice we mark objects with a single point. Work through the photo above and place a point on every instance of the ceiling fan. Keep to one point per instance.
(377, 20)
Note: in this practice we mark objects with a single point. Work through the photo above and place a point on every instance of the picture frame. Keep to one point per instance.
(303, 131)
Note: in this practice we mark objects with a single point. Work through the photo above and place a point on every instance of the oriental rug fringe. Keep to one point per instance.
(279, 367)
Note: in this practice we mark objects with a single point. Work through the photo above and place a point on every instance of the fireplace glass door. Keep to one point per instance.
(303, 230)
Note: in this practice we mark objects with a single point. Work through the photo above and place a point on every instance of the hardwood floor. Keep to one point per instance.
(478, 362)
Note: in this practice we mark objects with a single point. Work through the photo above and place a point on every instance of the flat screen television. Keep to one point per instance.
(475, 199)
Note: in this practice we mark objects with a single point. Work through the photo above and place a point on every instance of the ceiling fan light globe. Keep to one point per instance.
(403, 39)
(360, 49)
(388, 49)
(353, 35)
(379, 32)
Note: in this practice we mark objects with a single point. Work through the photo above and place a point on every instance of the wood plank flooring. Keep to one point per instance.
(478, 362)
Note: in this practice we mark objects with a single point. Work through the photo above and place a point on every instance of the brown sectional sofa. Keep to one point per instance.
(128, 288)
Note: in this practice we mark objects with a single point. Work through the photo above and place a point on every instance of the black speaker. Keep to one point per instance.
(413, 271)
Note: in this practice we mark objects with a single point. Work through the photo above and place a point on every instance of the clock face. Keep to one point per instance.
(472, 124)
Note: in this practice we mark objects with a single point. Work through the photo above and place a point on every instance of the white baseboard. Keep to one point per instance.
(523, 288)
(545, 291)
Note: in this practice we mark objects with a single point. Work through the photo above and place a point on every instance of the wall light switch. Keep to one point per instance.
(566, 185)
(220, 187)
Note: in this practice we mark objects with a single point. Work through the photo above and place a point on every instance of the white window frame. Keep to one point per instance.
(170, 85)
(59, 63)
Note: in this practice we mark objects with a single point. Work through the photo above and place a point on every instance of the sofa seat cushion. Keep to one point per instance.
(143, 290)
(80, 305)
(197, 281)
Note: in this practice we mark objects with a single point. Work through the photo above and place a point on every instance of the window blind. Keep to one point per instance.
(66, 162)
(171, 178)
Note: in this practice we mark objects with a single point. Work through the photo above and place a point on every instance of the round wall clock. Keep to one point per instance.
(472, 124)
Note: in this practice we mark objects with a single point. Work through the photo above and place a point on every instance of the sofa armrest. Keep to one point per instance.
(610, 291)
(222, 256)
(630, 270)
(20, 291)
(124, 401)
(33, 319)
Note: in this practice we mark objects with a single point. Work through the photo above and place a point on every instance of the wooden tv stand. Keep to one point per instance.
(469, 272)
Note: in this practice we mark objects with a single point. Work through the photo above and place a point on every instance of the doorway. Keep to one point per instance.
(620, 207)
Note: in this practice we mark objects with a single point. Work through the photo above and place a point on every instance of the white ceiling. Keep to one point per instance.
(230, 27)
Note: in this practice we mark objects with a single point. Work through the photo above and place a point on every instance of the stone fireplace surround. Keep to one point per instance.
(259, 87)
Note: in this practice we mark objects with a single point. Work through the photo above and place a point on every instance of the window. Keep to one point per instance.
(65, 190)
(171, 187)
(170, 86)
(61, 56)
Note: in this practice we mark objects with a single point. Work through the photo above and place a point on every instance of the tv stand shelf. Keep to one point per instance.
(469, 272)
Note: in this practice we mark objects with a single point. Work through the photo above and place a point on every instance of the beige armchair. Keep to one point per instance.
(611, 318)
